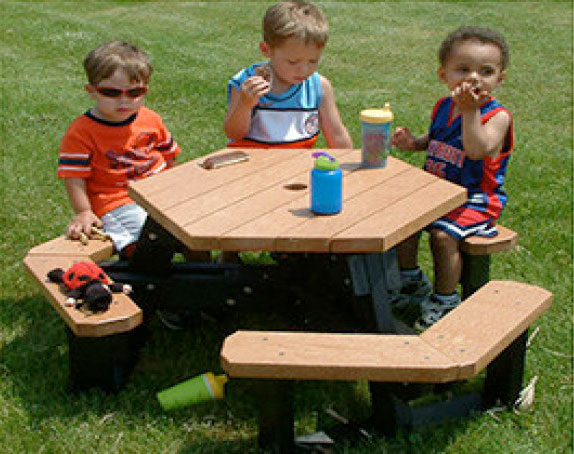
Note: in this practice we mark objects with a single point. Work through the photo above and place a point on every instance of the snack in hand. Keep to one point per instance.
(99, 234)
(83, 238)
(264, 71)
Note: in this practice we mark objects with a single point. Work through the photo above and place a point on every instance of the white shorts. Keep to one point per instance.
(124, 224)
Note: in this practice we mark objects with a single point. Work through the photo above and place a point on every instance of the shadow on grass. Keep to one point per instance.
(34, 368)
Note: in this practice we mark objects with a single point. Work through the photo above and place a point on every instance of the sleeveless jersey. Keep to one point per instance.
(446, 158)
(288, 119)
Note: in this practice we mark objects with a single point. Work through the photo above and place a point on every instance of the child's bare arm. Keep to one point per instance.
(482, 140)
(404, 140)
(238, 116)
(334, 130)
(479, 140)
(84, 218)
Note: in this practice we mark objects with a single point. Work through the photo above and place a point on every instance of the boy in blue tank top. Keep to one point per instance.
(285, 102)
(469, 142)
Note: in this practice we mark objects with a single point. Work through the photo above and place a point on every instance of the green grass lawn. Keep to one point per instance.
(377, 52)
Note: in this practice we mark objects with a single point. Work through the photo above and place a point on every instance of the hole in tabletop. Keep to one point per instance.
(295, 186)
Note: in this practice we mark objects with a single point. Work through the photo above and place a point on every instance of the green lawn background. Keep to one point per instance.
(377, 52)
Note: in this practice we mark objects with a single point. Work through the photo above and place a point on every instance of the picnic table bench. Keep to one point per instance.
(488, 330)
(101, 345)
(123, 314)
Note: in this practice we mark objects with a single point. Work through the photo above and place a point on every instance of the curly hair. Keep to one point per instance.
(469, 33)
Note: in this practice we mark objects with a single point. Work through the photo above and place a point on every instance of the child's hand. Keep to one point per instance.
(403, 139)
(253, 89)
(468, 96)
(82, 224)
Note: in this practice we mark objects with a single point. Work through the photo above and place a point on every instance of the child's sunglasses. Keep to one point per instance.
(133, 93)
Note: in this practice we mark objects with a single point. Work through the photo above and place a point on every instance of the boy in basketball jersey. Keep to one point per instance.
(469, 143)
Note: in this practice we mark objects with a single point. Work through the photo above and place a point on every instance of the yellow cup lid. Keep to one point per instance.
(217, 384)
(383, 115)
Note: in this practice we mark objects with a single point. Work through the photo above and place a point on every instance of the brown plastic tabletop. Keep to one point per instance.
(263, 203)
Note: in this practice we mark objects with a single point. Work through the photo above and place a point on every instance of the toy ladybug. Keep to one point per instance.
(86, 284)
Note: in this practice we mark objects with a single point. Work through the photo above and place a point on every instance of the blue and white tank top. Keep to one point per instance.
(288, 119)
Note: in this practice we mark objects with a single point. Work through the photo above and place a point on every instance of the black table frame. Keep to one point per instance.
(156, 279)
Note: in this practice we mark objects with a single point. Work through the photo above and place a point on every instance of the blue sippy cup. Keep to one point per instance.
(326, 185)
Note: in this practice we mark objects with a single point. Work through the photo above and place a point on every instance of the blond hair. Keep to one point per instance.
(295, 19)
(104, 60)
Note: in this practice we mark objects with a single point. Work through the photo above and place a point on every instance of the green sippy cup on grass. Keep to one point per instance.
(199, 389)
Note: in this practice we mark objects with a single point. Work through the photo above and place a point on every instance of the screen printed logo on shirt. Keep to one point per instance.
(312, 123)
(445, 152)
(439, 155)
(137, 159)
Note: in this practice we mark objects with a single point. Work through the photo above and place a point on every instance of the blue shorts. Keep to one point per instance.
(463, 222)
(124, 224)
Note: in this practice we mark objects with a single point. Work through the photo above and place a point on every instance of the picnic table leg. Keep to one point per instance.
(475, 273)
(385, 415)
(373, 275)
(276, 416)
(103, 362)
(377, 274)
(152, 257)
(384, 410)
(504, 375)
(155, 249)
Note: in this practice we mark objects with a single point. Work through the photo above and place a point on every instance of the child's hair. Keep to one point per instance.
(104, 60)
(469, 33)
(295, 19)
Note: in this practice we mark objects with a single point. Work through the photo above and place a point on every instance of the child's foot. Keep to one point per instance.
(434, 308)
(415, 288)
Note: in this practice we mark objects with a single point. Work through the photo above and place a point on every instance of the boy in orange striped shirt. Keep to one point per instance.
(116, 141)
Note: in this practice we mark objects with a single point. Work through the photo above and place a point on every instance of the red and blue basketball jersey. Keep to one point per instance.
(446, 158)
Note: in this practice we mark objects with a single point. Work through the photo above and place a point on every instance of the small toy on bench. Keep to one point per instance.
(95, 233)
(87, 286)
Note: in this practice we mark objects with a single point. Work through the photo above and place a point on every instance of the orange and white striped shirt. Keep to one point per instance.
(110, 154)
